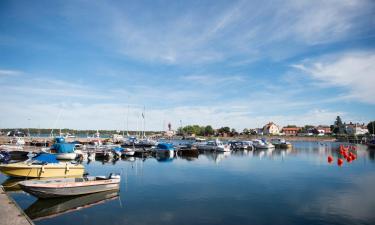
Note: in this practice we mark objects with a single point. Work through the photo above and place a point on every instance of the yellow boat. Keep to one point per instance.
(41, 166)
(24, 169)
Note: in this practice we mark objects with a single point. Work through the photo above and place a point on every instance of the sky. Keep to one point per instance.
(88, 64)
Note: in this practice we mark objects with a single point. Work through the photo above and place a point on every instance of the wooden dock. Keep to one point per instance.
(10, 212)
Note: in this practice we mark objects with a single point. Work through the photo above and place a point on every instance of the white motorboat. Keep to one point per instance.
(128, 152)
(62, 150)
(280, 143)
(262, 144)
(216, 145)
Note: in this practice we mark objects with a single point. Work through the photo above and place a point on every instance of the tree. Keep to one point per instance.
(224, 130)
(246, 131)
(371, 127)
(338, 126)
(208, 130)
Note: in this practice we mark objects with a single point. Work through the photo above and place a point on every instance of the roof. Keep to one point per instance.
(268, 125)
(291, 128)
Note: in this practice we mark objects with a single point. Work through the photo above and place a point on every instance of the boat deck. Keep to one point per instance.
(10, 213)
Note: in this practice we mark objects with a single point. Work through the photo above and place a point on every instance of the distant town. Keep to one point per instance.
(338, 128)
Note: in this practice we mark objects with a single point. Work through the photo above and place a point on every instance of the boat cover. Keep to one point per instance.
(59, 140)
(45, 158)
(117, 149)
(165, 146)
(63, 148)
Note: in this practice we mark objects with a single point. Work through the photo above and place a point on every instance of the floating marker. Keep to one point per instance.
(330, 159)
(340, 162)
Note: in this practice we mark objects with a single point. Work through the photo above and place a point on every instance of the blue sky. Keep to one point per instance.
(82, 64)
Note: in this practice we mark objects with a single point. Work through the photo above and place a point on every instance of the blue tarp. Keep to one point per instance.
(59, 140)
(117, 149)
(45, 158)
(63, 148)
(165, 146)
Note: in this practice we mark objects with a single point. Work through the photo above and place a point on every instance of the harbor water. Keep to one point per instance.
(294, 186)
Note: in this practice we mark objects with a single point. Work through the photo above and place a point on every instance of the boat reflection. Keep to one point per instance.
(47, 208)
(217, 156)
(11, 184)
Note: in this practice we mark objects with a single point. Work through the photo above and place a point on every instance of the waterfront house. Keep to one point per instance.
(323, 130)
(356, 129)
(291, 131)
(271, 128)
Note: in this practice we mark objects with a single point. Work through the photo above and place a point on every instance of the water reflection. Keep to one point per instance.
(43, 208)
(11, 184)
(295, 186)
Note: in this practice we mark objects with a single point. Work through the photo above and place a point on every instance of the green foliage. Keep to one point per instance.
(208, 130)
(224, 130)
(198, 130)
(371, 127)
(338, 126)
(291, 126)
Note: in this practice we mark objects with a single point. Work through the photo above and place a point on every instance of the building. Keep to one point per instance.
(356, 129)
(291, 131)
(323, 130)
(271, 128)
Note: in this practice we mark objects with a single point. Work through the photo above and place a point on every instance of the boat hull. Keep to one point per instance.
(66, 156)
(66, 191)
(41, 171)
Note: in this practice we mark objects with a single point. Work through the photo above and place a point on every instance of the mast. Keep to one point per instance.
(127, 122)
(144, 121)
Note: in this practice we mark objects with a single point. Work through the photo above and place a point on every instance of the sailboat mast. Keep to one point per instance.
(127, 122)
(144, 122)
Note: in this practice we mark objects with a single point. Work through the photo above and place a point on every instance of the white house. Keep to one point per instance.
(271, 128)
(356, 129)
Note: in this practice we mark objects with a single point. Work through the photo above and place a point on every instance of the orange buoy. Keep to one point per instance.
(340, 162)
(330, 159)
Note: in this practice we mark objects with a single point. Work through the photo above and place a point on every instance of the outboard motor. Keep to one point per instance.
(114, 176)
(4, 157)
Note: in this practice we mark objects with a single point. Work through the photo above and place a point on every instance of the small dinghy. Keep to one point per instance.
(64, 187)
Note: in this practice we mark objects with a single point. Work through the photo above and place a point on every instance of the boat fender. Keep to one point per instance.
(67, 167)
(43, 170)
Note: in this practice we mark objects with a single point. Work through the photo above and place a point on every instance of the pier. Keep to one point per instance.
(10, 212)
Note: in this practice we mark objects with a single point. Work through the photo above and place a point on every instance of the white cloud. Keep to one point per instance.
(240, 31)
(9, 72)
(354, 71)
(213, 79)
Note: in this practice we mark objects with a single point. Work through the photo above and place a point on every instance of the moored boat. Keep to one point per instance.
(280, 143)
(215, 145)
(262, 144)
(164, 148)
(64, 187)
(43, 165)
(62, 150)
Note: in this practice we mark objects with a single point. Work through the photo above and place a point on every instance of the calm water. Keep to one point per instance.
(279, 187)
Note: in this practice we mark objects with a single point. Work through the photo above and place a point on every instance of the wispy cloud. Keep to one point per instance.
(10, 72)
(214, 79)
(240, 31)
(353, 71)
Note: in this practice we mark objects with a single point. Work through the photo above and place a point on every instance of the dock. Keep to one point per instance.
(10, 212)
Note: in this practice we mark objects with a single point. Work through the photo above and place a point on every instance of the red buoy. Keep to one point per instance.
(340, 162)
(330, 159)
(349, 159)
